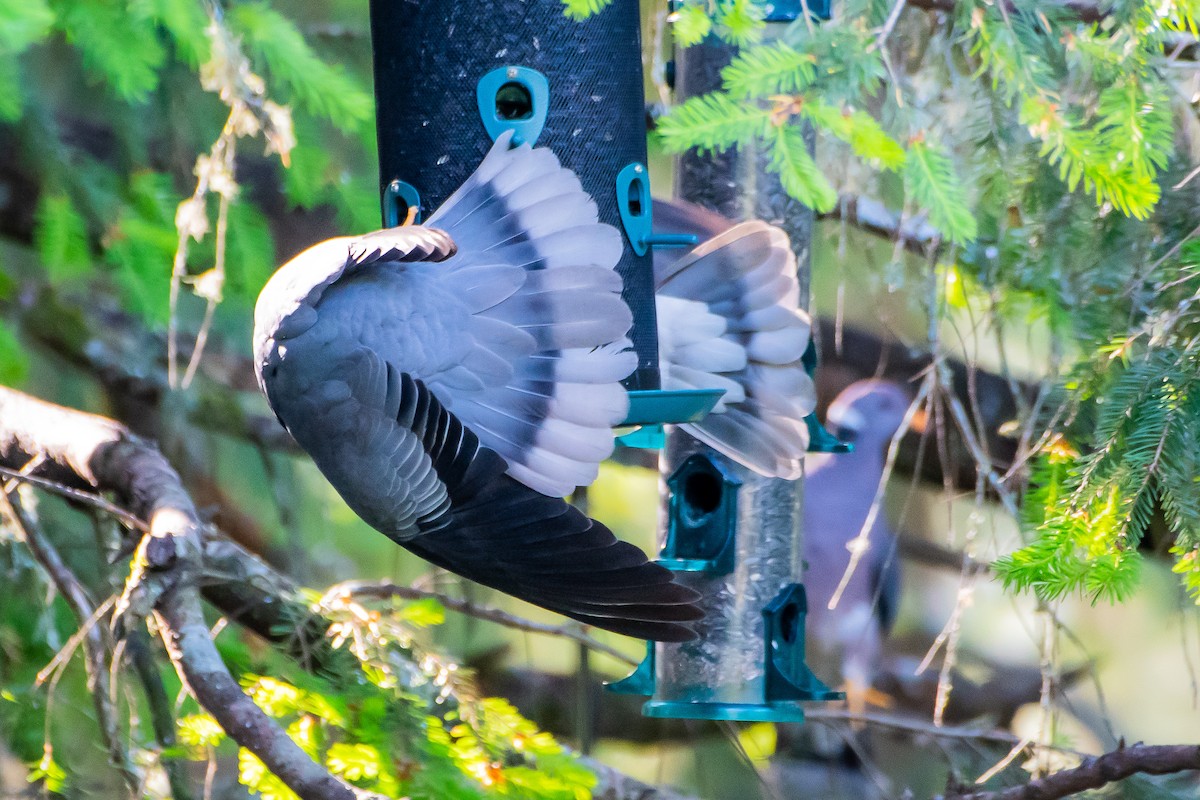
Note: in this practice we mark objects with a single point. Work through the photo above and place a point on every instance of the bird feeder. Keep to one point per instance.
(732, 535)
(449, 79)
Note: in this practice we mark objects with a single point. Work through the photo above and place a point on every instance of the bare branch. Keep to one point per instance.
(162, 718)
(91, 452)
(85, 452)
(77, 495)
(1096, 772)
(915, 234)
(384, 589)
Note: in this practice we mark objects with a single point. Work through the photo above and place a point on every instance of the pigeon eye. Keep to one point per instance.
(846, 433)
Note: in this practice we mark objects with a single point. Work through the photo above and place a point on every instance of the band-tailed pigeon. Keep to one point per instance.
(838, 492)
(455, 380)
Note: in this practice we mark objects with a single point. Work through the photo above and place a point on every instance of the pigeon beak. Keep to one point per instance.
(847, 422)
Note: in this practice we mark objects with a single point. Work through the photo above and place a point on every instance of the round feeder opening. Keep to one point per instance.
(702, 494)
(400, 206)
(789, 622)
(636, 200)
(514, 102)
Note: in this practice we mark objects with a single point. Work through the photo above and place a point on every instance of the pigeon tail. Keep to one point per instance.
(538, 271)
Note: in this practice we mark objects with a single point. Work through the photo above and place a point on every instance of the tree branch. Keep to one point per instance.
(872, 216)
(92, 452)
(86, 452)
(1096, 772)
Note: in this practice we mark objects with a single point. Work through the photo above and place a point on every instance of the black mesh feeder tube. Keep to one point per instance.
(451, 76)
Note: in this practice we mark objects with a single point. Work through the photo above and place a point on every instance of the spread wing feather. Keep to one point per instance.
(728, 319)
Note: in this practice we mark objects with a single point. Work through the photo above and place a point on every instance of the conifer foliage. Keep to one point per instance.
(1047, 143)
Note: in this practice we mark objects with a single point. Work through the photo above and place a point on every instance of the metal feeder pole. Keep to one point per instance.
(755, 609)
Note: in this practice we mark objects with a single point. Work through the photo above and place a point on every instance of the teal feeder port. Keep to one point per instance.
(702, 518)
(639, 682)
(747, 666)
(788, 677)
(398, 198)
(636, 207)
(514, 99)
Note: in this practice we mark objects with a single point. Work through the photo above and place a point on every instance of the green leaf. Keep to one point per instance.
(798, 172)
(47, 771)
(357, 203)
(306, 732)
(690, 25)
(22, 23)
(931, 180)
(185, 21)
(858, 129)
(1187, 564)
(740, 22)
(770, 69)
(141, 245)
(354, 762)
(306, 178)
(275, 697)
(582, 9)
(255, 776)
(250, 253)
(325, 90)
(14, 362)
(60, 234)
(712, 122)
(199, 731)
(12, 91)
(422, 613)
(120, 47)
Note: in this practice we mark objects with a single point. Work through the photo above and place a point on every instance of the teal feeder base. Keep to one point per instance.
(786, 681)
(734, 712)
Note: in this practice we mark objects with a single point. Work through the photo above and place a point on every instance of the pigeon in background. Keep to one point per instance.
(838, 492)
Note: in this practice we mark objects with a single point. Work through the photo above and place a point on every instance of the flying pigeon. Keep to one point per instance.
(454, 380)
(838, 492)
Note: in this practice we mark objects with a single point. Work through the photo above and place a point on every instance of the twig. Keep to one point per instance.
(982, 462)
(250, 113)
(911, 725)
(1003, 763)
(162, 719)
(79, 496)
(872, 216)
(1187, 178)
(860, 544)
(1098, 771)
(888, 25)
(95, 646)
(930, 554)
(567, 631)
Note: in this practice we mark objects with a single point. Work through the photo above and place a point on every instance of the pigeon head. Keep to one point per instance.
(868, 413)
